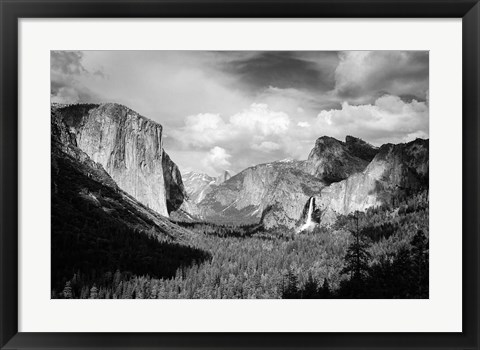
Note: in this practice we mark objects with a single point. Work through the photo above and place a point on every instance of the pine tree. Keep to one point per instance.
(419, 244)
(325, 292)
(153, 291)
(310, 290)
(94, 292)
(357, 257)
(291, 290)
(67, 291)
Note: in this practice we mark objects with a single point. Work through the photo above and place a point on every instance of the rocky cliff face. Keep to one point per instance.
(129, 147)
(174, 190)
(332, 160)
(64, 144)
(360, 149)
(78, 180)
(340, 176)
(274, 193)
(396, 170)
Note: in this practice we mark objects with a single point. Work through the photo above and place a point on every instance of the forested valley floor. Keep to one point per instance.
(382, 253)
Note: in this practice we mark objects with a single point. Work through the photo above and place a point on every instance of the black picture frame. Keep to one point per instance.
(12, 11)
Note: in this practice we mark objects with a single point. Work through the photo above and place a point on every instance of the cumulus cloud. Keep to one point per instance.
(259, 118)
(256, 122)
(203, 130)
(217, 160)
(388, 119)
(254, 135)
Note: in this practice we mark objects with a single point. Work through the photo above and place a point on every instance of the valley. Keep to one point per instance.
(127, 223)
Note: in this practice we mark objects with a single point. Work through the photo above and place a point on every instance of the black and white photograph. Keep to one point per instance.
(239, 174)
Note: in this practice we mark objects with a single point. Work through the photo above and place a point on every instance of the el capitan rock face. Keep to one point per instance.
(64, 144)
(129, 147)
(84, 184)
(332, 160)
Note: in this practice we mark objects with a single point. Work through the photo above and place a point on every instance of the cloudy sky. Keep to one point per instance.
(231, 110)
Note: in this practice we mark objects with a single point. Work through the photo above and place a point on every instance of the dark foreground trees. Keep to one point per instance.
(89, 244)
(403, 275)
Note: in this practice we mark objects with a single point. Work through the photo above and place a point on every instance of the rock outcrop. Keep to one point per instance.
(77, 179)
(396, 170)
(332, 160)
(129, 147)
(224, 176)
(64, 144)
(360, 149)
(174, 190)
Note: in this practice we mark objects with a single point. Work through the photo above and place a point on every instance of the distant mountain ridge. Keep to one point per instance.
(340, 176)
(197, 185)
(277, 187)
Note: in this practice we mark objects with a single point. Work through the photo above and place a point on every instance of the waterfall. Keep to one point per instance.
(309, 221)
(310, 211)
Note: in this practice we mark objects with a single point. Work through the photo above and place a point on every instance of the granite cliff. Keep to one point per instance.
(98, 230)
(332, 160)
(337, 178)
(129, 147)
(86, 186)
(274, 193)
(224, 176)
(395, 171)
